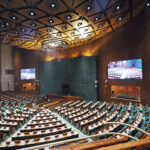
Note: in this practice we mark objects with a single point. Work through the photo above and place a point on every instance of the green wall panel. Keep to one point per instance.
(80, 73)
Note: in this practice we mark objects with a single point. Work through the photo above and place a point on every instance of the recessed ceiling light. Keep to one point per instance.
(33, 24)
(79, 24)
(100, 25)
(69, 17)
(2, 26)
(53, 5)
(23, 30)
(49, 30)
(50, 21)
(64, 27)
(118, 7)
(148, 4)
(7, 24)
(119, 18)
(32, 13)
(89, 8)
(96, 18)
(13, 18)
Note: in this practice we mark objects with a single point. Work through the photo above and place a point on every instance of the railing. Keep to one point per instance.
(76, 139)
(129, 125)
(92, 136)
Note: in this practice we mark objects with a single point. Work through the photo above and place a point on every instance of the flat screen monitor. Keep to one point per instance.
(28, 74)
(125, 69)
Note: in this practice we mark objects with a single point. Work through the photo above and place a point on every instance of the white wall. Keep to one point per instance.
(6, 63)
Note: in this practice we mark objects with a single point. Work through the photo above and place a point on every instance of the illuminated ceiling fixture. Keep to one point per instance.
(49, 30)
(51, 21)
(52, 5)
(13, 18)
(7, 24)
(23, 30)
(69, 17)
(89, 8)
(100, 25)
(119, 18)
(118, 7)
(2, 26)
(64, 27)
(96, 18)
(32, 13)
(33, 24)
(148, 4)
(53, 44)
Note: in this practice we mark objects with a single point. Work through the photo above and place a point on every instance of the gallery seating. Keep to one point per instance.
(41, 125)
(37, 141)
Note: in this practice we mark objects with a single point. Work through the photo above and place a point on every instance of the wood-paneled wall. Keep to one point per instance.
(25, 59)
(130, 41)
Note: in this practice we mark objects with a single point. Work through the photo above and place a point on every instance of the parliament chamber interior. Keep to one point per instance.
(75, 74)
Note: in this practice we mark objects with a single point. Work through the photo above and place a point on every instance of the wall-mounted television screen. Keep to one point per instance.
(125, 69)
(28, 74)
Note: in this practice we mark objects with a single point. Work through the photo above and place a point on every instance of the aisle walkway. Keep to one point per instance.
(18, 130)
(81, 134)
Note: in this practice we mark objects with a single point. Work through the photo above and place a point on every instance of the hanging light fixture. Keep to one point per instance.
(53, 44)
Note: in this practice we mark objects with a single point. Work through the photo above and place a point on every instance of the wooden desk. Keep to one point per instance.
(37, 141)
(40, 133)
(83, 117)
(42, 127)
(45, 118)
(5, 130)
(97, 117)
(48, 121)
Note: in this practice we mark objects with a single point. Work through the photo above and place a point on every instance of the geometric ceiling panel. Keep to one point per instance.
(140, 6)
(28, 23)
(32, 13)
(117, 8)
(52, 7)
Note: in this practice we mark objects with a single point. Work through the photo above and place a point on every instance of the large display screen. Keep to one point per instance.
(125, 69)
(28, 74)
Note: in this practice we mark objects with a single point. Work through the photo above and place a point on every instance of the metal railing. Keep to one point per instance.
(76, 139)
(92, 136)
(129, 125)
